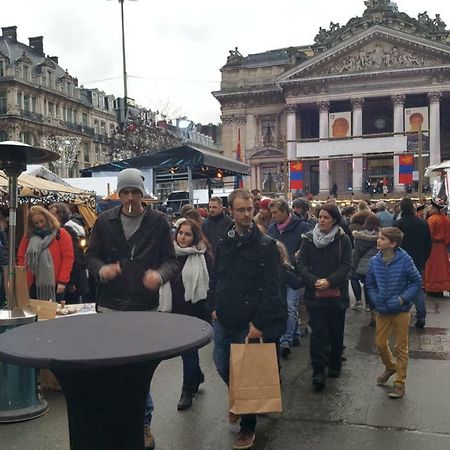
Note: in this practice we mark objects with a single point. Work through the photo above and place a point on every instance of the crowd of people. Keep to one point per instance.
(259, 268)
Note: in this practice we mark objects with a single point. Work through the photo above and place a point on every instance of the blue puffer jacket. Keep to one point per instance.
(387, 283)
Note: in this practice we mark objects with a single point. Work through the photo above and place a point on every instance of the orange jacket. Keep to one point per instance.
(61, 250)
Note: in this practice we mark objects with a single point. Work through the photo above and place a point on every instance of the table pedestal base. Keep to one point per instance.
(106, 406)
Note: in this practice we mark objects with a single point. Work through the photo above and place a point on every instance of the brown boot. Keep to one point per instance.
(149, 440)
(245, 440)
(398, 391)
(383, 379)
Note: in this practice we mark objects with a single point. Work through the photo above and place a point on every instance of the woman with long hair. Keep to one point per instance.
(324, 264)
(47, 253)
(186, 294)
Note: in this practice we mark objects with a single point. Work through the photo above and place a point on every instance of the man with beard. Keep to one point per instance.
(217, 223)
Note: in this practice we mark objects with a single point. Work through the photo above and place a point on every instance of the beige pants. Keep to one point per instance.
(398, 326)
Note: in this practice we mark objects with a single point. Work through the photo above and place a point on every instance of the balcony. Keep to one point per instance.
(35, 117)
(361, 145)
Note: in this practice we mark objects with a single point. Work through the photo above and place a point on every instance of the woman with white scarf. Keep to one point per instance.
(46, 251)
(324, 264)
(186, 294)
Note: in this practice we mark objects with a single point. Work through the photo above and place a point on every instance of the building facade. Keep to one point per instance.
(348, 106)
(40, 102)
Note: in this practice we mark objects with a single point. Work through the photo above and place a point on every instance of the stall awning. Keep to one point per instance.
(203, 163)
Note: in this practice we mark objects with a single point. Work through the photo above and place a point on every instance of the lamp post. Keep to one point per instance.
(125, 90)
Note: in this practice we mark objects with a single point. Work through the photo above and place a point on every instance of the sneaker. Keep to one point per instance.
(383, 379)
(233, 418)
(245, 439)
(420, 324)
(285, 352)
(398, 391)
(358, 305)
(149, 440)
(318, 381)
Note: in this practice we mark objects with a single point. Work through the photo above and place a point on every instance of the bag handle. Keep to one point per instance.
(247, 340)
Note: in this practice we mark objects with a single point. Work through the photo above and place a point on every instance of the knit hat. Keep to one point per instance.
(131, 179)
(265, 202)
(301, 203)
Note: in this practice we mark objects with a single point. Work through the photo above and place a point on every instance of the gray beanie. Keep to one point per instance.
(131, 179)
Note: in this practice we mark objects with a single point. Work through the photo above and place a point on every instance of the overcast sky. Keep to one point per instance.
(175, 48)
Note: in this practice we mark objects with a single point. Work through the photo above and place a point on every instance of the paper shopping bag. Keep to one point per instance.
(254, 379)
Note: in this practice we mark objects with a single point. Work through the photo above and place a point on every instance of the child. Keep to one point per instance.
(392, 282)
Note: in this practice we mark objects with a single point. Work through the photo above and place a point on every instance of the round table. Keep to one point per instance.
(104, 363)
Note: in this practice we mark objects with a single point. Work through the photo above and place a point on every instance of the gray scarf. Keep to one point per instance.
(194, 275)
(40, 263)
(322, 239)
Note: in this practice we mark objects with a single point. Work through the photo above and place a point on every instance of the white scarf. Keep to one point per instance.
(322, 239)
(194, 275)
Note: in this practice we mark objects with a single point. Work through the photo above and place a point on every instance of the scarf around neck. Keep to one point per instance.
(282, 226)
(40, 263)
(194, 275)
(322, 239)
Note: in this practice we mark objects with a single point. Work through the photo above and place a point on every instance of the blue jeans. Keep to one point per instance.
(223, 338)
(292, 329)
(419, 302)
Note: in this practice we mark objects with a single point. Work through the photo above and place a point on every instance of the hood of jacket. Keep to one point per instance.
(398, 255)
(365, 235)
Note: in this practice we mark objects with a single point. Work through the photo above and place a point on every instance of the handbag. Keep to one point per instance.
(254, 379)
(328, 293)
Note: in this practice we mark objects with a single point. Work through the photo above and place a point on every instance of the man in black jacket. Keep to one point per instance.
(131, 254)
(417, 243)
(244, 295)
(217, 223)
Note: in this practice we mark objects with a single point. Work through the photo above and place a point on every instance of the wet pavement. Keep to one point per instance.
(351, 413)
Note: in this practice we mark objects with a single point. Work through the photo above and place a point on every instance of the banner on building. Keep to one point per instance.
(340, 124)
(416, 119)
(406, 169)
(295, 175)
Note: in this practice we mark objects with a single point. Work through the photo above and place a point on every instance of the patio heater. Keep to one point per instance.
(19, 397)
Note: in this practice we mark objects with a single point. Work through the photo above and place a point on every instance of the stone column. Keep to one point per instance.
(291, 132)
(324, 164)
(250, 133)
(357, 177)
(398, 101)
(435, 127)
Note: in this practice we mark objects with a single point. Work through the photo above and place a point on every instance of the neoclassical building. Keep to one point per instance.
(40, 100)
(347, 106)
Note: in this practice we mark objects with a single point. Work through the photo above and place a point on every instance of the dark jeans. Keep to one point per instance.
(356, 288)
(223, 338)
(419, 302)
(327, 337)
(191, 369)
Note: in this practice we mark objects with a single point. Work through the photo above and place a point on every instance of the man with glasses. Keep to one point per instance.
(243, 298)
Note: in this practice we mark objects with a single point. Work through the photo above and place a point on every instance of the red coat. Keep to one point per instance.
(61, 250)
(437, 268)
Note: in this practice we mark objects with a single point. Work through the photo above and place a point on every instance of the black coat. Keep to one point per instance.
(4, 259)
(150, 247)
(332, 262)
(416, 238)
(245, 283)
(214, 228)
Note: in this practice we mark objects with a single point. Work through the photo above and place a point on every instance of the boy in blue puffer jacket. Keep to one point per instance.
(393, 282)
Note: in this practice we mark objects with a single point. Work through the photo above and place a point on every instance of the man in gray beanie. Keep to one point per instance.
(131, 254)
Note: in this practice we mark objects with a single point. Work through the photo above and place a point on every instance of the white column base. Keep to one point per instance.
(324, 176)
(398, 187)
(357, 178)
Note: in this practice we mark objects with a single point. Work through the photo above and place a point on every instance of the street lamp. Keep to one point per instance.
(125, 91)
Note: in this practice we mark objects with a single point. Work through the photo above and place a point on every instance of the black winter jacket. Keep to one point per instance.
(416, 238)
(150, 247)
(214, 228)
(291, 237)
(245, 286)
(332, 262)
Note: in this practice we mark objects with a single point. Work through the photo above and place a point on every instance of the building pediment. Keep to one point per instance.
(267, 151)
(24, 59)
(377, 49)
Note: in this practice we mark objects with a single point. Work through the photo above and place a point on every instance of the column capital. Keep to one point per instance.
(290, 108)
(398, 100)
(241, 119)
(357, 103)
(226, 120)
(324, 106)
(434, 97)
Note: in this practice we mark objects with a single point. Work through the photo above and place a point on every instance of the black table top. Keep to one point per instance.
(103, 340)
